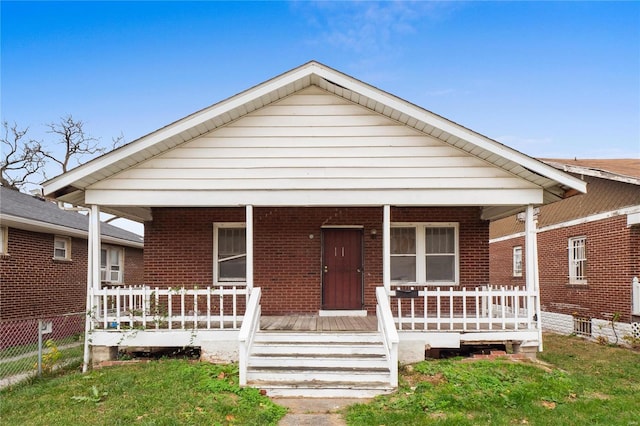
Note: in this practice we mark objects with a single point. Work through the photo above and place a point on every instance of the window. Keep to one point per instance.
(578, 260)
(62, 248)
(111, 260)
(3, 240)
(403, 254)
(517, 261)
(230, 252)
(425, 253)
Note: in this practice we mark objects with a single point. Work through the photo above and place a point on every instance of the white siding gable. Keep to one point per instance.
(315, 142)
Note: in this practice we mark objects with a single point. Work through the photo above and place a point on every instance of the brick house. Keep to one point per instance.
(588, 249)
(291, 217)
(43, 262)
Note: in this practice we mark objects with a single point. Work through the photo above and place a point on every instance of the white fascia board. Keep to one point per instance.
(507, 237)
(595, 172)
(453, 129)
(50, 228)
(633, 219)
(408, 197)
(174, 129)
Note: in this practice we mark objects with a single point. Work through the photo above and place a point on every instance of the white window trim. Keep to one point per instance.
(4, 240)
(517, 260)
(573, 278)
(107, 268)
(67, 247)
(421, 254)
(217, 226)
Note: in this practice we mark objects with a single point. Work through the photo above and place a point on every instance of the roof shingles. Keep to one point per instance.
(604, 194)
(18, 204)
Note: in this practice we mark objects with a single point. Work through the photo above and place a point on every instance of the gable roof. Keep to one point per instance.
(70, 186)
(26, 211)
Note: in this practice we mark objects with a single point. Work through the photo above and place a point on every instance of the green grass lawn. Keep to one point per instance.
(583, 384)
(166, 392)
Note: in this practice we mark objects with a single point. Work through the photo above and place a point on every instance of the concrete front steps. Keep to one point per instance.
(319, 364)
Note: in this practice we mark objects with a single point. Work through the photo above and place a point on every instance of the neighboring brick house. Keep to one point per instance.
(588, 251)
(43, 261)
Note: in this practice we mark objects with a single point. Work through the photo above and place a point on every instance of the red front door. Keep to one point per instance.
(342, 269)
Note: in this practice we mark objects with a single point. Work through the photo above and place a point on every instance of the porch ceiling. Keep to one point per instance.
(70, 187)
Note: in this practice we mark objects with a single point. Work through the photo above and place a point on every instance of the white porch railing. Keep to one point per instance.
(635, 284)
(146, 308)
(464, 309)
(389, 333)
(248, 331)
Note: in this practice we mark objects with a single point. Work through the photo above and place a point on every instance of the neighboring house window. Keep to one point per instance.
(62, 248)
(578, 260)
(111, 260)
(230, 252)
(4, 240)
(425, 253)
(517, 261)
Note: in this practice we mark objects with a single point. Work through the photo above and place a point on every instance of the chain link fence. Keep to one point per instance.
(30, 347)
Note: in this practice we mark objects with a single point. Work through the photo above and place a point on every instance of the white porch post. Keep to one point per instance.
(249, 232)
(386, 247)
(93, 277)
(532, 278)
(94, 229)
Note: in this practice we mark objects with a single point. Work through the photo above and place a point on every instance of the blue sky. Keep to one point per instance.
(551, 79)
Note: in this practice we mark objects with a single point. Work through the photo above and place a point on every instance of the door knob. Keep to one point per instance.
(358, 270)
(326, 269)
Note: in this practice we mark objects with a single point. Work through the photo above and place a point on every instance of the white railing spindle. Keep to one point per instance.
(170, 309)
(208, 307)
(464, 308)
(221, 307)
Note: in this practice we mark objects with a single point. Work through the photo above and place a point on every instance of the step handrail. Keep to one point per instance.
(248, 330)
(387, 328)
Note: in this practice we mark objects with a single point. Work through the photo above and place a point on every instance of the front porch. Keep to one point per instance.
(312, 355)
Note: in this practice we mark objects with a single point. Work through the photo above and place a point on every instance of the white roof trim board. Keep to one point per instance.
(593, 171)
(71, 185)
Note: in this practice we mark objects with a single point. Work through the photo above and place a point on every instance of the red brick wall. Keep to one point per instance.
(34, 285)
(612, 262)
(501, 271)
(179, 248)
(133, 266)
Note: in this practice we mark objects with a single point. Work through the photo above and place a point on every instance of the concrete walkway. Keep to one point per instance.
(315, 411)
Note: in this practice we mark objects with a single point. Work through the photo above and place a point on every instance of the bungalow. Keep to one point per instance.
(589, 252)
(43, 266)
(317, 230)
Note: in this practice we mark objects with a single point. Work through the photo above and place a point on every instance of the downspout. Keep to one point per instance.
(87, 321)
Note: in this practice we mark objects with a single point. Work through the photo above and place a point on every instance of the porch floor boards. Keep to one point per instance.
(318, 323)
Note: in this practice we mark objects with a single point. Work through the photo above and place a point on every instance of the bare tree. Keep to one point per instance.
(118, 141)
(77, 144)
(22, 158)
